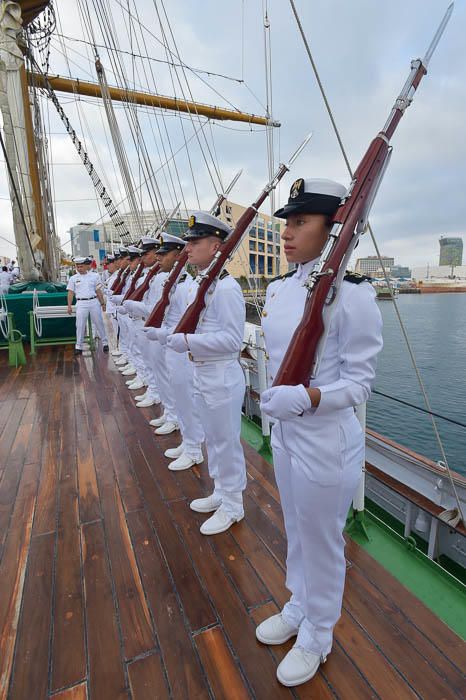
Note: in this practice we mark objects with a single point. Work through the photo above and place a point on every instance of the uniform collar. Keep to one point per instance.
(305, 268)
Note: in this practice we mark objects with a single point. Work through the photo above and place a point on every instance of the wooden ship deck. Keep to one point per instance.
(109, 591)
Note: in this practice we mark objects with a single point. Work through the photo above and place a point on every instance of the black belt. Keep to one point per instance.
(85, 298)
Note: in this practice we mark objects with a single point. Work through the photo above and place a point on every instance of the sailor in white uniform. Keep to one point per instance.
(138, 311)
(218, 377)
(86, 286)
(317, 441)
(179, 370)
(6, 278)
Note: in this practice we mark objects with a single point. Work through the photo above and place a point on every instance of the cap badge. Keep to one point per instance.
(192, 221)
(296, 188)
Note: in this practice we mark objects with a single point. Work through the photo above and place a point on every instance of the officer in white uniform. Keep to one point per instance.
(180, 375)
(6, 278)
(218, 377)
(317, 441)
(86, 286)
(121, 260)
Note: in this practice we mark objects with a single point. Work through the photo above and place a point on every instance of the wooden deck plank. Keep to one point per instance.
(31, 665)
(77, 692)
(181, 663)
(89, 501)
(13, 569)
(68, 644)
(222, 673)
(106, 672)
(11, 479)
(45, 519)
(9, 432)
(147, 680)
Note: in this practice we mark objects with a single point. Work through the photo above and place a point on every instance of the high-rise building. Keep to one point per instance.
(372, 266)
(88, 239)
(451, 251)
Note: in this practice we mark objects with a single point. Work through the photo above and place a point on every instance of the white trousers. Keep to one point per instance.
(218, 397)
(315, 515)
(84, 309)
(161, 378)
(181, 373)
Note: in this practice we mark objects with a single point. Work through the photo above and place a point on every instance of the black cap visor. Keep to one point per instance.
(310, 204)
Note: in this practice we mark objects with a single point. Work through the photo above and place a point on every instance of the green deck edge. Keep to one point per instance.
(438, 589)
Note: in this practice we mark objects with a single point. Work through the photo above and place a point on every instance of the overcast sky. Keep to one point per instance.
(363, 51)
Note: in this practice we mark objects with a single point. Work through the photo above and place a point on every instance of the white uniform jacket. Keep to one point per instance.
(345, 375)
(84, 286)
(220, 331)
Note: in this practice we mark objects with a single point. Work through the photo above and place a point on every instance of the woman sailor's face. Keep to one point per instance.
(304, 237)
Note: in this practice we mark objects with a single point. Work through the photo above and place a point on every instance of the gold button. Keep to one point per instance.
(264, 313)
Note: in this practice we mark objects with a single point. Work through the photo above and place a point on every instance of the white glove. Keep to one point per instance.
(285, 402)
(159, 334)
(122, 310)
(117, 299)
(151, 333)
(135, 308)
(177, 342)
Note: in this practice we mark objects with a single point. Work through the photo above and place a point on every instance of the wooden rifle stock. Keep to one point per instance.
(157, 314)
(118, 288)
(132, 286)
(116, 281)
(302, 357)
(138, 293)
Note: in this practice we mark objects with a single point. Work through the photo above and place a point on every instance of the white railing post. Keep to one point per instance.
(262, 377)
(358, 499)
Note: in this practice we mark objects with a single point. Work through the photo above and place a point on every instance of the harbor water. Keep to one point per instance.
(436, 327)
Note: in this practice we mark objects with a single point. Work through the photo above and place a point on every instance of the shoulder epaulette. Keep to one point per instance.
(356, 278)
(183, 277)
(223, 274)
(282, 277)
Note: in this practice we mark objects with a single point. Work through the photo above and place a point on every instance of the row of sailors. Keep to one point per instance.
(317, 442)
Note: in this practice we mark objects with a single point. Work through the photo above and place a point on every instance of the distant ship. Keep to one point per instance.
(441, 284)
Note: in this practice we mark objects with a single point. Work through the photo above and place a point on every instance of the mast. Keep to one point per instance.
(30, 256)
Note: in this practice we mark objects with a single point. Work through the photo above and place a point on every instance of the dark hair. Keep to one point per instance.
(4, 268)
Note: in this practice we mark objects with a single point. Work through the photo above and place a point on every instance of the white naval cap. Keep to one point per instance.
(170, 242)
(148, 243)
(134, 251)
(80, 260)
(202, 224)
(316, 196)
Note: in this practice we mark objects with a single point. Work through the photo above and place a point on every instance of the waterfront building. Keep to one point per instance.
(371, 265)
(398, 271)
(451, 251)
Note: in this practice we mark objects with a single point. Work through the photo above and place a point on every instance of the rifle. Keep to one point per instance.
(138, 294)
(190, 318)
(301, 360)
(136, 276)
(158, 312)
(117, 288)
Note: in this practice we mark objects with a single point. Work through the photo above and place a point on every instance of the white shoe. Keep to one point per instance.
(184, 462)
(132, 380)
(275, 630)
(124, 367)
(220, 521)
(173, 452)
(206, 505)
(141, 397)
(298, 666)
(122, 360)
(129, 371)
(145, 403)
(157, 422)
(116, 353)
(167, 428)
(137, 384)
